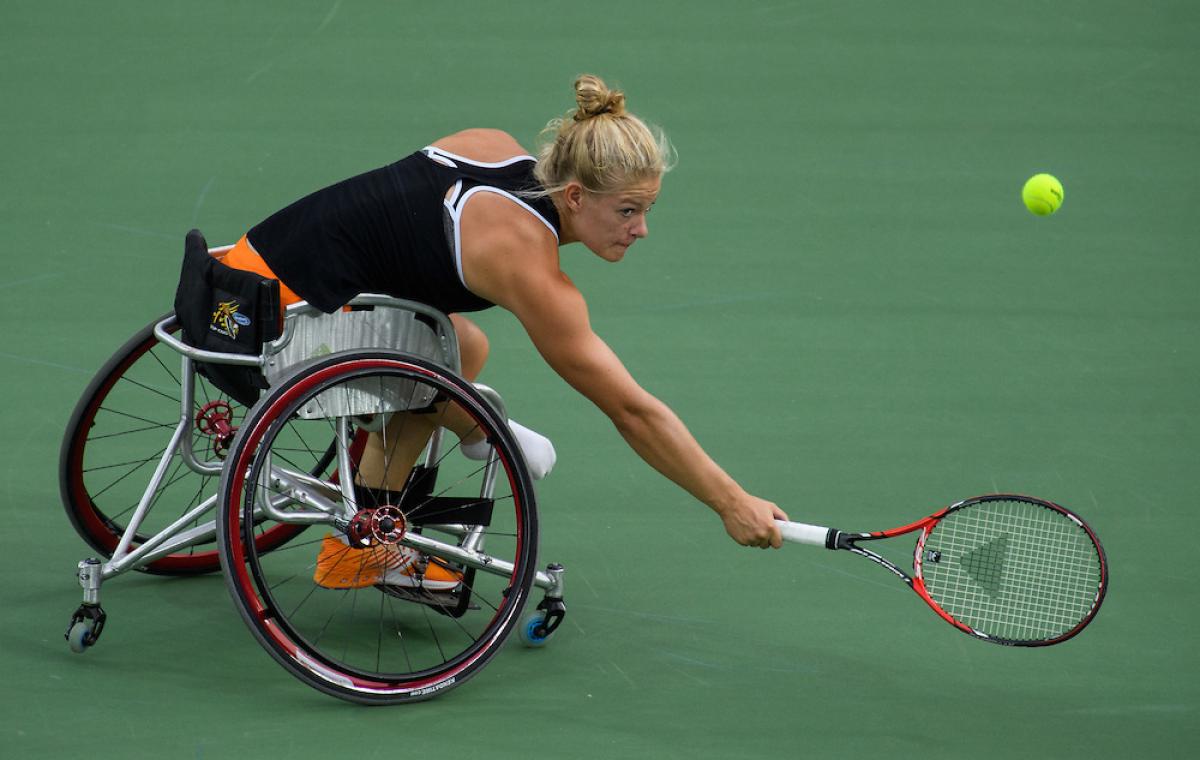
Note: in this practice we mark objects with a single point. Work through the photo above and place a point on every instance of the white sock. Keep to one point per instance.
(537, 448)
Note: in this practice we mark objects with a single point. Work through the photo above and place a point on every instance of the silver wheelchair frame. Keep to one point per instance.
(300, 498)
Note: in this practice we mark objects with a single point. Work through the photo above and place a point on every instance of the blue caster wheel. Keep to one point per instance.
(533, 630)
(538, 626)
(85, 627)
(81, 635)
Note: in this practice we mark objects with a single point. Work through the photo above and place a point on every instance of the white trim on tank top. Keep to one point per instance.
(458, 201)
(446, 158)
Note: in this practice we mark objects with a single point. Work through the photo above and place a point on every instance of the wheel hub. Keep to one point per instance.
(377, 525)
(215, 420)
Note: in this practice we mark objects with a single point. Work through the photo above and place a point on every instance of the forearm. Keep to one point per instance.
(559, 328)
(661, 439)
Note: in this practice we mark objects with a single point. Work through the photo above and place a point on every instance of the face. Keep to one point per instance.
(608, 223)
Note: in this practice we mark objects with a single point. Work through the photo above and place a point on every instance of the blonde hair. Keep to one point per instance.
(600, 145)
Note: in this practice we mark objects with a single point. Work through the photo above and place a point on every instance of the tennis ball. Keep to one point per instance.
(1043, 194)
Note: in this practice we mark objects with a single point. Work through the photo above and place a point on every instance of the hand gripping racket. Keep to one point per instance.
(1007, 569)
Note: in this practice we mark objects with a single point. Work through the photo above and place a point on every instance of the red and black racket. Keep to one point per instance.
(1007, 569)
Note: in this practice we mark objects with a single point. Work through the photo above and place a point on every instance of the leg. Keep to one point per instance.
(390, 454)
(473, 346)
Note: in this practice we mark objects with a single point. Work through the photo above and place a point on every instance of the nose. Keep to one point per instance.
(640, 230)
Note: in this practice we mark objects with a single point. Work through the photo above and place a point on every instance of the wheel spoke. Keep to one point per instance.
(115, 439)
(322, 604)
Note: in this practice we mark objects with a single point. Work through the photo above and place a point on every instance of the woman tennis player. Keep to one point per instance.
(474, 221)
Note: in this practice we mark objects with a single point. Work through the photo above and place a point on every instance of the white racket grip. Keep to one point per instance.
(800, 533)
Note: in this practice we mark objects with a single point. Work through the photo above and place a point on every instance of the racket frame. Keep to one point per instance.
(832, 538)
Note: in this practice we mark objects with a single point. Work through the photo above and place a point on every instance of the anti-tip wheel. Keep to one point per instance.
(80, 636)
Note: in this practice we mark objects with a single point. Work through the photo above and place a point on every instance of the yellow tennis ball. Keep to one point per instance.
(1043, 194)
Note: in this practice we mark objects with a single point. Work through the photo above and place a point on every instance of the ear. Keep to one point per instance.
(572, 196)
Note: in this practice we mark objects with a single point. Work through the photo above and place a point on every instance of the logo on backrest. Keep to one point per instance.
(227, 320)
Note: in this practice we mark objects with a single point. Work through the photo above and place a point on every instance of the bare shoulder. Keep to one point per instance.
(486, 145)
(504, 247)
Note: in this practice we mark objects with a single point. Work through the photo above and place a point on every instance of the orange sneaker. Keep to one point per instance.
(437, 576)
(343, 566)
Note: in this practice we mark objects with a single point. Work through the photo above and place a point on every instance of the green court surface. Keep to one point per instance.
(842, 296)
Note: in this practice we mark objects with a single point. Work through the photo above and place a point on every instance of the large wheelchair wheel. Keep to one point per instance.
(118, 432)
(385, 640)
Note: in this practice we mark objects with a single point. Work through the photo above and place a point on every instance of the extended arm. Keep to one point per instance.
(555, 315)
(512, 260)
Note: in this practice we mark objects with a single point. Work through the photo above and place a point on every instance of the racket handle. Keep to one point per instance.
(800, 533)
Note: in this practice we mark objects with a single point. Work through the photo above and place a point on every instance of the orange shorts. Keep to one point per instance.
(243, 256)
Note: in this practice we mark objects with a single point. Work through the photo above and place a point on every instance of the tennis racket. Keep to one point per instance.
(1008, 569)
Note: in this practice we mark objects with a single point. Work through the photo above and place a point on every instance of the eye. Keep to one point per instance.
(626, 212)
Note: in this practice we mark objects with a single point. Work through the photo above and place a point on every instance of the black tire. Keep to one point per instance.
(116, 435)
(371, 644)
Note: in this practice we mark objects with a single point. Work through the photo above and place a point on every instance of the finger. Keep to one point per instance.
(776, 539)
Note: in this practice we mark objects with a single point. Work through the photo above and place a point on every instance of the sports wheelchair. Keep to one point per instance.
(162, 471)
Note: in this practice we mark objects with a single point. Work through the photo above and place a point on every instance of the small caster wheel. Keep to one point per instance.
(86, 625)
(80, 636)
(533, 630)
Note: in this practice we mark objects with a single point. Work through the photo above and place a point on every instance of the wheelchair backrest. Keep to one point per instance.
(263, 356)
(310, 335)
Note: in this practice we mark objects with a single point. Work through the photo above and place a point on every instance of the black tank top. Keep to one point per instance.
(392, 230)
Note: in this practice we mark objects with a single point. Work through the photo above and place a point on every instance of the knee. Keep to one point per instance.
(472, 346)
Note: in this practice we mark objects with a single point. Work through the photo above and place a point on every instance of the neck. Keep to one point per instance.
(566, 233)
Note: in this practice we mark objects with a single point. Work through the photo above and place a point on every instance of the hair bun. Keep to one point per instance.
(600, 145)
(595, 99)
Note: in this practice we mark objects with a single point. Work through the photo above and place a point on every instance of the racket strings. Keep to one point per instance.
(1012, 570)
